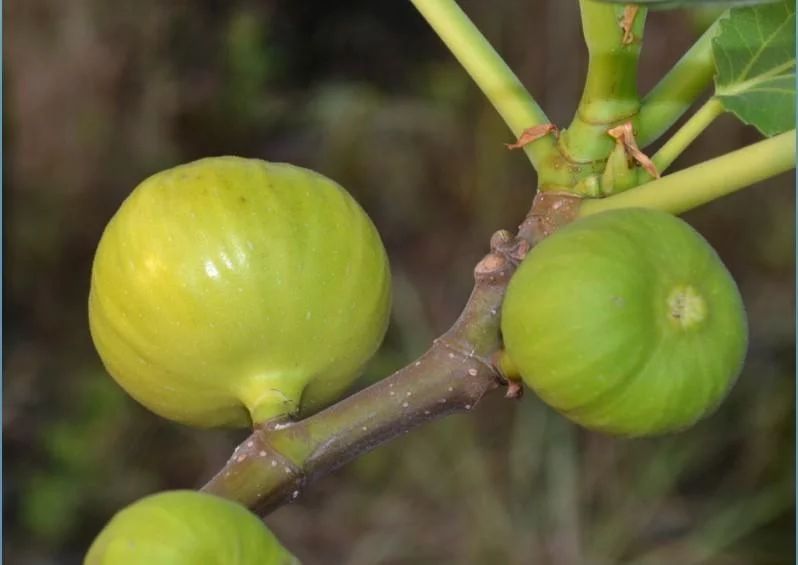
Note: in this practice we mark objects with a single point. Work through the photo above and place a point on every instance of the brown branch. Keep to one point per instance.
(273, 465)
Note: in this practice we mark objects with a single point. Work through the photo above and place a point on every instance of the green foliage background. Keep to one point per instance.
(100, 94)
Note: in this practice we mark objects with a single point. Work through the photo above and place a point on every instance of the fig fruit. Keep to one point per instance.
(186, 528)
(232, 291)
(626, 322)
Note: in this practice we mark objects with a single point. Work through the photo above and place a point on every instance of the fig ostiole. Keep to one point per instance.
(626, 322)
(186, 528)
(232, 291)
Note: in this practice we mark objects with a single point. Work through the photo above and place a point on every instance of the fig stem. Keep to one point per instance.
(686, 134)
(501, 86)
(272, 466)
(707, 181)
(676, 91)
(452, 376)
(610, 92)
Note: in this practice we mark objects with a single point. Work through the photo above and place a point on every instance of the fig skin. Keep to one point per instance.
(627, 322)
(231, 291)
(186, 528)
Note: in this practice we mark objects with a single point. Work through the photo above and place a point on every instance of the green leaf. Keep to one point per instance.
(755, 62)
(673, 4)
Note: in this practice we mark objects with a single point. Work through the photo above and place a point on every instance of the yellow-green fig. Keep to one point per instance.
(232, 291)
(626, 322)
(186, 528)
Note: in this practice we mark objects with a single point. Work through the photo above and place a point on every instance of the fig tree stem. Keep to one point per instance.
(613, 35)
(452, 376)
(707, 181)
(678, 89)
(272, 466)
(686, 134)
(517, 107)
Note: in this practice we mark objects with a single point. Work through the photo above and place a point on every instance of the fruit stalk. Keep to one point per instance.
(707, 181)
(272, 466)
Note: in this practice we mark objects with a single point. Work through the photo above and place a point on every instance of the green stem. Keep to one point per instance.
(697, 123)
(610, 94)
(678, 89)
(513, 102)
(707, 181)
(610, 91)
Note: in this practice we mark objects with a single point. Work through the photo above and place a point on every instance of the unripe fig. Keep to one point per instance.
(186, 528)
(231, 291)
(626, 322)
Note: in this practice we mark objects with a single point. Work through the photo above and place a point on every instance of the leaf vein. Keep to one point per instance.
(765, 44)
(774, 73)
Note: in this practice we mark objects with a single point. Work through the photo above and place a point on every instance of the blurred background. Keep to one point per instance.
(100, 94)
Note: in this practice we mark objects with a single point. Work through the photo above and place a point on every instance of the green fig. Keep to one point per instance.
(186, 528)
(231, 291)
(626, 322)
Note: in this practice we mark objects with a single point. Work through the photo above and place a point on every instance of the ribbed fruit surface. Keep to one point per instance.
(229, 291)
(626, 322)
